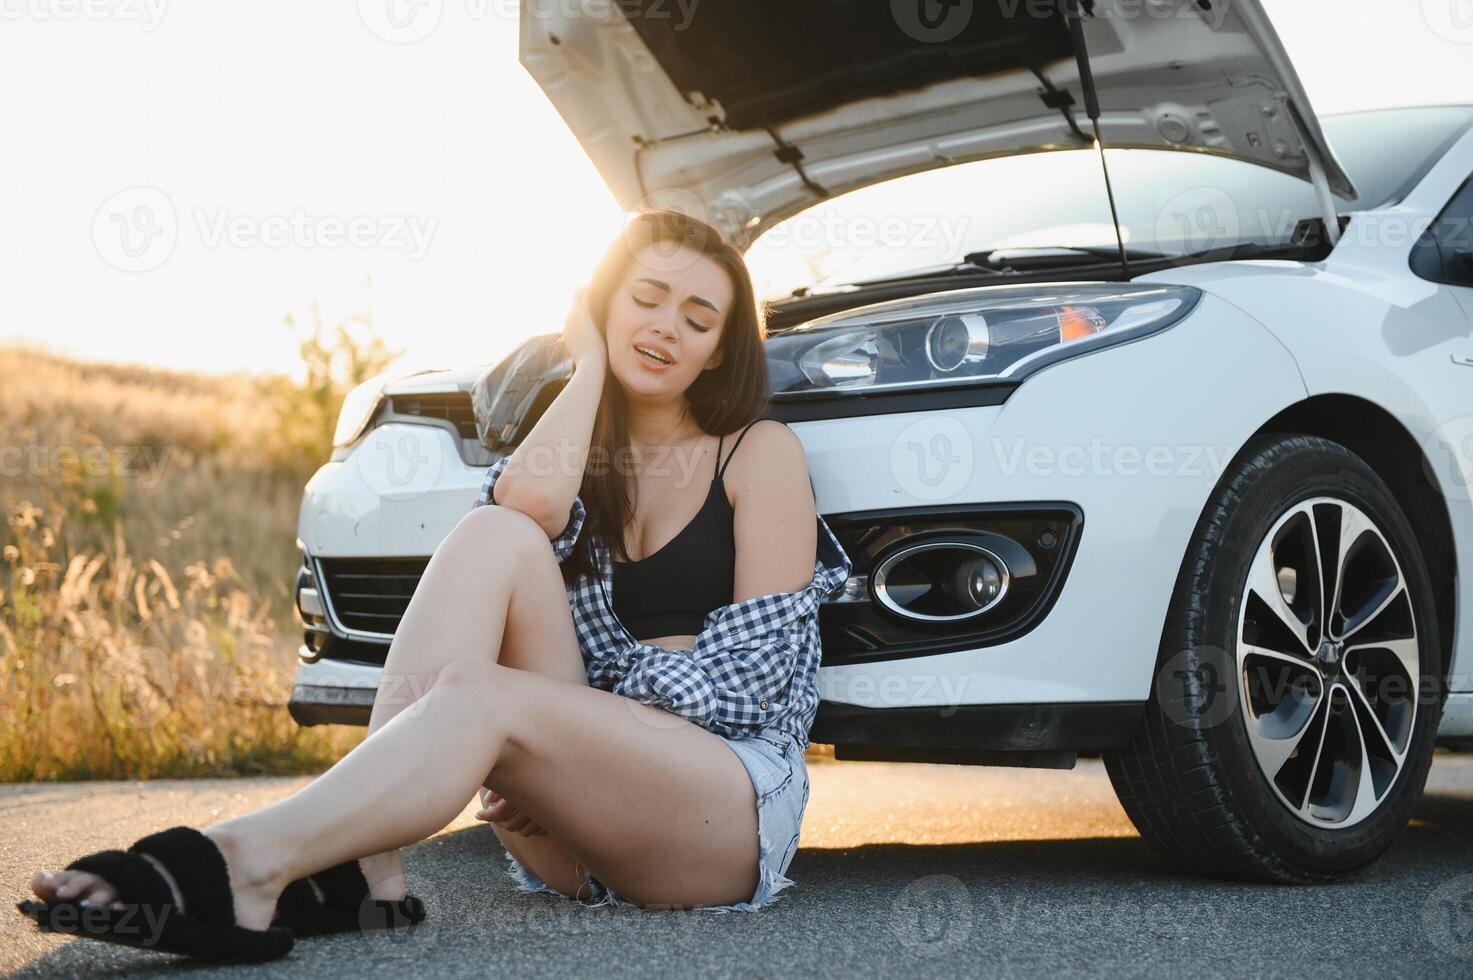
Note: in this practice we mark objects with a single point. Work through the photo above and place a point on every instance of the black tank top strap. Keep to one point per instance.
(722, 471)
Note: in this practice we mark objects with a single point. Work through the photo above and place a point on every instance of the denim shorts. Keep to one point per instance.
(779, 774)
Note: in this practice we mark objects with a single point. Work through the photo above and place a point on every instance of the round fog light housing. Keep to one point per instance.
(943, 580)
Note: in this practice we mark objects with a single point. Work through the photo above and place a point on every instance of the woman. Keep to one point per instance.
(637, 723)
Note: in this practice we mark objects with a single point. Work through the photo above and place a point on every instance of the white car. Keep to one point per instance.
(1203, 508)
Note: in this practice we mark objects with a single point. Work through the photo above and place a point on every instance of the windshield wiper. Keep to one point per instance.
(1048, 256)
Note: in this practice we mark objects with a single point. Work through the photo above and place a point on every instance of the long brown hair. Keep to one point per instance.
(721, 400)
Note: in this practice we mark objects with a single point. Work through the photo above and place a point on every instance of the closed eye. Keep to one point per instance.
(701, 327)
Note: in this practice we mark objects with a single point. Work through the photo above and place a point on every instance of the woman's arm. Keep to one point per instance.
(542, 476)
(775, 526)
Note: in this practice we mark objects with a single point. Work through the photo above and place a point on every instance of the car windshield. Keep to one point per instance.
(1043, 205)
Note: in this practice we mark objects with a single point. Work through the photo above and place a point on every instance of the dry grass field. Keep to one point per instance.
(147, 626)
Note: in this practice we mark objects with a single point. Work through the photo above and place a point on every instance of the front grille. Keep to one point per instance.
(371, 594)
(454, 406)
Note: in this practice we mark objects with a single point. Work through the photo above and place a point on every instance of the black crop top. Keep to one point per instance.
(671, 591)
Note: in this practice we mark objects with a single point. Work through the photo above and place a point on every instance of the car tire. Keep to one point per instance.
(1230, 693)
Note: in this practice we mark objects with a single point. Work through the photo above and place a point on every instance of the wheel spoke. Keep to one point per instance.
(1375, 722)
(1288, 659)
(1319, 752)
(1274, 752)
(1406, 650)
(1368, 618)
(1366, 796)
(1263, 581)
(1353, 527)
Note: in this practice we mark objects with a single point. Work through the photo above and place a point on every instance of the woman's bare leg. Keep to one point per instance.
(492, 588)
(661, 810)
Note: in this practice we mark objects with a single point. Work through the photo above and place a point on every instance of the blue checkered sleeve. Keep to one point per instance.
(562, 545)
(753, 666)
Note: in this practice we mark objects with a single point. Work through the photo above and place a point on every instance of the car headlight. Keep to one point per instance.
(358, 408)
(1001, 333)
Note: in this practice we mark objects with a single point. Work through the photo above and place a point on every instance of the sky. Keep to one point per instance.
(281, 155)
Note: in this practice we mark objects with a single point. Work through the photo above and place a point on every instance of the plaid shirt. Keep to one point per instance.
(754, 667)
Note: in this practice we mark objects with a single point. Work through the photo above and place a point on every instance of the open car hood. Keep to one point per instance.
(744, 112)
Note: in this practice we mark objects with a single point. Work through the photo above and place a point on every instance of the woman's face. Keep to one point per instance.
(673, 302)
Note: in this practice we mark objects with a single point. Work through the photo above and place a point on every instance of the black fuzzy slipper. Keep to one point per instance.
(149, 918)
(343, 904)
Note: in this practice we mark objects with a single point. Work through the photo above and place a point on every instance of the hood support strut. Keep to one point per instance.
(1074, 16)
(1321, 181)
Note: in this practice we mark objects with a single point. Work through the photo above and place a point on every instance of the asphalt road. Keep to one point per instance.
(904, 870)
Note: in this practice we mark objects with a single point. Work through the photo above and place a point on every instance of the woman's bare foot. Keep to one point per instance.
(253, 885)
(385, 875)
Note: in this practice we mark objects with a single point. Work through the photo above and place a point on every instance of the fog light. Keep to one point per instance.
(981, 580)
(942, 580)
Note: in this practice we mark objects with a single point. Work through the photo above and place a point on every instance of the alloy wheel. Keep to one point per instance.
(1328, 662)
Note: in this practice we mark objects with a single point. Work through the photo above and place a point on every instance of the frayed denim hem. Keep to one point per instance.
(602, 896)
(599, 895)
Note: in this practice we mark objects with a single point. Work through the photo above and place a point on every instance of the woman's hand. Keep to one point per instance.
(495, 809)
(580, 334)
